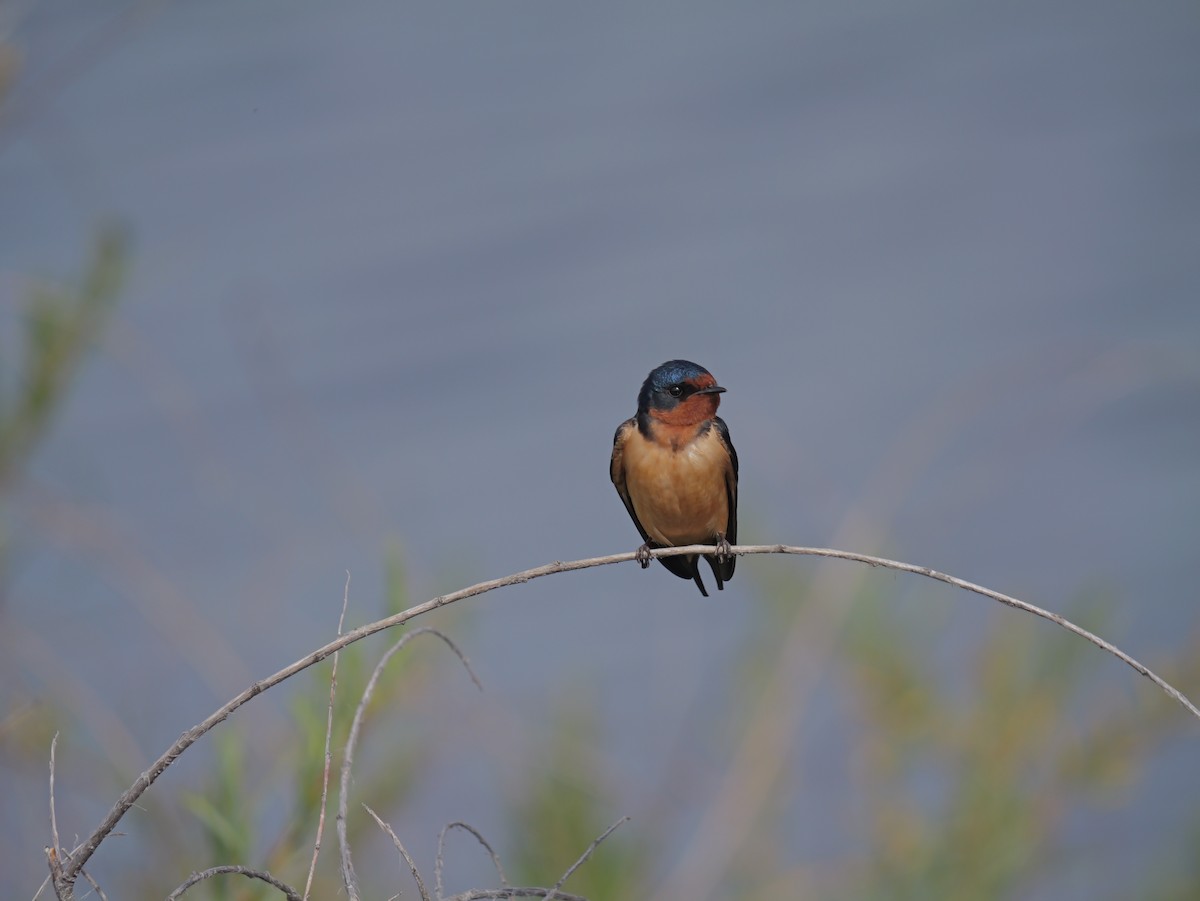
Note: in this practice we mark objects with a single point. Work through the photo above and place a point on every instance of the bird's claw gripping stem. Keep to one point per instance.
(724, 549)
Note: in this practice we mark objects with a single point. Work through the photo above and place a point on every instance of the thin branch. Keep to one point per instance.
(53, 817)
(59, 877)
(348, 877)
(262, 875)
(94, 884)
(312, 867)
(584, 856)
(147, 778)
(416, 875)
(441, 846)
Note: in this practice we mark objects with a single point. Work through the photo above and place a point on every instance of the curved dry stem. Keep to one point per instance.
(261, 875)
(416, 875)
(127, 799)
(441, 847)
(312, 867)
(348, 877)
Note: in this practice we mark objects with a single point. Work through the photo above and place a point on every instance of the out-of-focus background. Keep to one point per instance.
(294, 289)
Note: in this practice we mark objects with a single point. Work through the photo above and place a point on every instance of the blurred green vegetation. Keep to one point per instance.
(563, 808)
(61, 321)
(1013, 752)
(231, 811)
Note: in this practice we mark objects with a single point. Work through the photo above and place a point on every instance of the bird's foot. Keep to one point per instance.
(724, 549)
(643, 555)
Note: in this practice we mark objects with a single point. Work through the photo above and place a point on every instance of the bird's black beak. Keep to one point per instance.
(715, 389)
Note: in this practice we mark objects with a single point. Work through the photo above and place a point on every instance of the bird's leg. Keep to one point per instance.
(643, 555)
(724, 548)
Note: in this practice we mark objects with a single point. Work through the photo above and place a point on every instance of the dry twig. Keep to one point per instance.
(53, 817)
(262, 875)
(312, 867)
(416, 875)
(441, 846)
(584, 856)
(64, 875)
(94, 884)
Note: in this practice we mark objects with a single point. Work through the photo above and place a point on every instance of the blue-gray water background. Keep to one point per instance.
(399, 270)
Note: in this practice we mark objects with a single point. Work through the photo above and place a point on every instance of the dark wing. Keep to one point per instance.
(685, 567)
(724, 571)
(731, 479)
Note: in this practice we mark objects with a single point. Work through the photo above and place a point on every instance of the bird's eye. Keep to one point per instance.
(675, 390)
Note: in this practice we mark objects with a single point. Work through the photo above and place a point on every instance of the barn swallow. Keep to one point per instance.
(677, 472)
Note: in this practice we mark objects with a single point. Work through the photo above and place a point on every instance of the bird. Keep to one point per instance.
(674, 466)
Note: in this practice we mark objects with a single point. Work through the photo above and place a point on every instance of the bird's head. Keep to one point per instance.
(679, 393)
